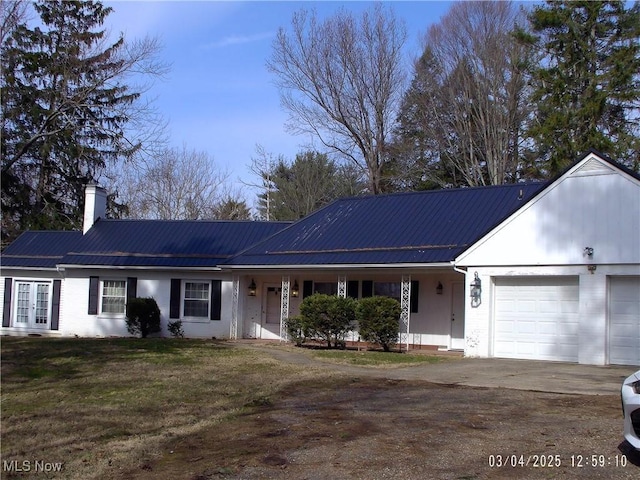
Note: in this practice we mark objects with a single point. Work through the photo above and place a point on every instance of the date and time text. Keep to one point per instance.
(557, 461)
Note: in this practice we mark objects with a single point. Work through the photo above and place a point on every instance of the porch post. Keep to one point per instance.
(284, 309)
(234, 306)
(342, 286)
(405, 310)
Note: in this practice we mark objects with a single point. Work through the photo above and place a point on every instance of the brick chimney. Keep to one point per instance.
(95, 205)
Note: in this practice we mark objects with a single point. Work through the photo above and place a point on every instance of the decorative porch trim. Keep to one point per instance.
(284, 307)
(405, 310)
(234, 306)
(342, 286)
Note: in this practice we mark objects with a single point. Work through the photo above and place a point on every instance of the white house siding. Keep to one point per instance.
(600, 211)
(430, 326)
(76, 321)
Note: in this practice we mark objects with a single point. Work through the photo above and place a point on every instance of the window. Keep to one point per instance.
(196, 299)
(388, 289)
(328, 288)
(114, 296)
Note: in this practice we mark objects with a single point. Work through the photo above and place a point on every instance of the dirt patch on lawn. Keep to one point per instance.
(367, 428)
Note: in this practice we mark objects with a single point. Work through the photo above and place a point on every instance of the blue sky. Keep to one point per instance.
(219, 96)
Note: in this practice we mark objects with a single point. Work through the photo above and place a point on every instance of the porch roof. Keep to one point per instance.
(408, 228)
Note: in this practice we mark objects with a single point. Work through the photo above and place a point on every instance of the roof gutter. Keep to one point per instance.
(458, 269)
(363, 266)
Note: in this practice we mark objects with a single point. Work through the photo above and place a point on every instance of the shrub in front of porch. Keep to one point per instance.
(297, 329)
(328, 317)
(379, 320)
(143, 316)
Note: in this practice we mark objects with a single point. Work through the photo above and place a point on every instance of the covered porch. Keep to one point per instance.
(431, 299)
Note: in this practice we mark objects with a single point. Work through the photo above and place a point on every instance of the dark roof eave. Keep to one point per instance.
(147, 255)
(98, 266)
(367, 249)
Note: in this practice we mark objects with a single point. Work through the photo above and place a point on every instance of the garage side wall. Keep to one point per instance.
(586, 217)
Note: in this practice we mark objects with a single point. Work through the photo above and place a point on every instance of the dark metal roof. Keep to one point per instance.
(166, 243)
(40, 249)
(423, 227)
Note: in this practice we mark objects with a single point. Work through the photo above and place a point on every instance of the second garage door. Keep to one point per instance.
(536, 318)
(624, 320)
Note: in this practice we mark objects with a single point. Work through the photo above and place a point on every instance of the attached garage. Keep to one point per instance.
(624, 320)
(560, 278)
(536, 318)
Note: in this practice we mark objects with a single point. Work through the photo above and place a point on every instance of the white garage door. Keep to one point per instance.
(624, 320)
(536, 318)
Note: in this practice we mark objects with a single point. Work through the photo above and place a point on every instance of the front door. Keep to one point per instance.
(457, 316)
(272, 303)
(32, 305)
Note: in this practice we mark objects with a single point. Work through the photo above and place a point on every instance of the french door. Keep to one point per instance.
(33, 305)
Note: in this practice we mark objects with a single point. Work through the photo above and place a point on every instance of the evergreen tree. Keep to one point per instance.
(65, 110)
(588, 85)
(310, 182)
(232, 209)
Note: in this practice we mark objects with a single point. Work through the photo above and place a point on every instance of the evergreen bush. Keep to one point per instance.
(296, 329)
(143, 316)
(328, 317)
(379, 320)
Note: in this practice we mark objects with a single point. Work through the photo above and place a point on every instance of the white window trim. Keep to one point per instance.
(104, 314)
(192, 319)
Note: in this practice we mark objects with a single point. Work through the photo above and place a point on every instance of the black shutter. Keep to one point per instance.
(174, 298)
(216, 299)
(6, 313)
(415, 293)
(307, 288)
(352, 289)
(132, 288)
(367, 288)
(55, 305)
(94, 285)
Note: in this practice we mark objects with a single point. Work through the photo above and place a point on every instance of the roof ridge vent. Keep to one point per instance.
(593, 166)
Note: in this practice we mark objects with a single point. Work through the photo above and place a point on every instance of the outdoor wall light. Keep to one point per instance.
(439, 288)
(588, 251)
(476, 290)
(592, 269)
(295, 291)
(252, 288)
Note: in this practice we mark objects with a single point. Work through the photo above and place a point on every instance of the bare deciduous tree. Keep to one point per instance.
(342, 80)
(468, 100)
(180, 184)
(12, 13)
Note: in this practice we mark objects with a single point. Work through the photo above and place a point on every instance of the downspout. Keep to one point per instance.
(458, 269)
(60, 271)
